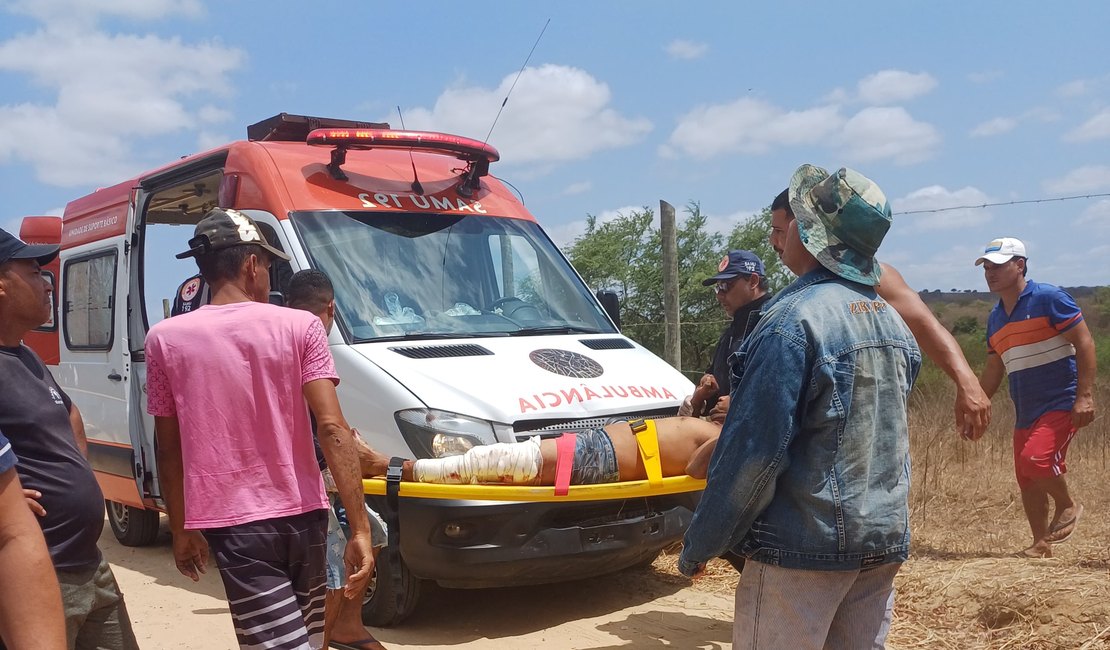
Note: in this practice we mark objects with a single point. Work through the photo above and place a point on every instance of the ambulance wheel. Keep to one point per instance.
(381, 607)
(132, 526)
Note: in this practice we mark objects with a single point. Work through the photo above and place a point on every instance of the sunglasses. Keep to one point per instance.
(722, 286)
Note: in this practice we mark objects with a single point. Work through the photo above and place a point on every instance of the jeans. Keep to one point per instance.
(800, 609)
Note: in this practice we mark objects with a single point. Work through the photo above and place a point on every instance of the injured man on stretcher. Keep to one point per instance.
(605, 455)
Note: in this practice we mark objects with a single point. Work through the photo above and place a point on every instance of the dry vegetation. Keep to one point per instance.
(963, 587)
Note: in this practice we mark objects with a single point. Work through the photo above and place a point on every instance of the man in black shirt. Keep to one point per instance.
(741, 288)
(45, 431)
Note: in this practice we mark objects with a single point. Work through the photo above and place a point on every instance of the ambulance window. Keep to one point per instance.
(516, 267)
(52, 324)
(90, 285)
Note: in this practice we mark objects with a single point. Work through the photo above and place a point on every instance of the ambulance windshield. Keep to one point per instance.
(420, 275)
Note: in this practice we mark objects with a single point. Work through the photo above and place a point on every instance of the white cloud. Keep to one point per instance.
(110, 92)
(84, 14)
(1005, 124)
(1076, 88)
(944, 269)
(1096, 217)
(985, 76)
(894, 86)
(996, 126)
(888, 133)
(724, 224)
(555, 114)
(578, 188)
(754, 126)
(1096, 128)
(1089, 178)
(749, 126)
(686, 50)
(935, 197)
(564, 234)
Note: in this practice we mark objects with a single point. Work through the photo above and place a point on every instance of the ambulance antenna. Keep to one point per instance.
(416, 186)
(520, 72)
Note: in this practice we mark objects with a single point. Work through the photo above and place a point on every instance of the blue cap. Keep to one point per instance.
(14, 248)
(737, 263)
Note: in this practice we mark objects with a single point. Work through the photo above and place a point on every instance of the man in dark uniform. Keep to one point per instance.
(47, 435)
(741, 289)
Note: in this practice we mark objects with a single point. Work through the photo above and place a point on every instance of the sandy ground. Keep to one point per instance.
(638, 608)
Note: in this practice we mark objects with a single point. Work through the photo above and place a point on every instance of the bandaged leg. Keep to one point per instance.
(512, 463)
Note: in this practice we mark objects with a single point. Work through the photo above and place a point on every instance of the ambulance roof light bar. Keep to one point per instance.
(478, 155)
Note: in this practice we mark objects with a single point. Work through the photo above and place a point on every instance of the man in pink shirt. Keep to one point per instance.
(227, 385)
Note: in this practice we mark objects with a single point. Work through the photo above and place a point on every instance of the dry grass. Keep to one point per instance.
(963, 587)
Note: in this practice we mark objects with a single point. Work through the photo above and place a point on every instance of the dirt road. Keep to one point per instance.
(634, 609)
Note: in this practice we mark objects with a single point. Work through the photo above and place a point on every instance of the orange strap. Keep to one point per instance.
(564, 462)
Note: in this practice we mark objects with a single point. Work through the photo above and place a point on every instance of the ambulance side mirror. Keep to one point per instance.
(611, 304)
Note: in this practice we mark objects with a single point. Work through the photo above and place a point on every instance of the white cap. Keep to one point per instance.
(1001, 251)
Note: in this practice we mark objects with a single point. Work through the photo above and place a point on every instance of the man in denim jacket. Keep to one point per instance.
(811, 474)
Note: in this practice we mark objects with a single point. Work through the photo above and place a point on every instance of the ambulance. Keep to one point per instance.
(458, 323)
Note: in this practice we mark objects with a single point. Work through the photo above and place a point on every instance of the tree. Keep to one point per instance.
(624, 254)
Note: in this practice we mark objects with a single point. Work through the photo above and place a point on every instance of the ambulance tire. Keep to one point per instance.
(381, 607)
(132, 526)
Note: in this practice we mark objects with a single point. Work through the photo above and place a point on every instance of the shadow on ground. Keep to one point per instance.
(455, 616)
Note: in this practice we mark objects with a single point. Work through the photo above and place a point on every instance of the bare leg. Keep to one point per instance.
(348, 623)
(1035, 500)
(332, 603)
(1065, 508)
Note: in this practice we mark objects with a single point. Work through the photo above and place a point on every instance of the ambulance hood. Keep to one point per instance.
(506, 379)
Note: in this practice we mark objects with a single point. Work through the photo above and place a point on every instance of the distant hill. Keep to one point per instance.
(964, 296)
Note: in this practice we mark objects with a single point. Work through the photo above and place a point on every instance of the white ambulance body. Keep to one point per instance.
(459, 322)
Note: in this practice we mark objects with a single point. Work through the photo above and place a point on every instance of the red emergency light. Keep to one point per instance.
(478, 154)
(460, 147)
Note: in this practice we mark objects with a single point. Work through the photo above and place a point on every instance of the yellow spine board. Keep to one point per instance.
(597, 492)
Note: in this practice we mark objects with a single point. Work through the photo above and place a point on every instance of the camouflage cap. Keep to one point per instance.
(842, 219)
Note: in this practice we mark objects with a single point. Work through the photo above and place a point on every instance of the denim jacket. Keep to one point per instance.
(812, 469)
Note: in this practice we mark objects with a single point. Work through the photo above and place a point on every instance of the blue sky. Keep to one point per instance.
(623, 103)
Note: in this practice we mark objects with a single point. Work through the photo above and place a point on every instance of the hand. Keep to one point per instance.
(717, 415)
(1083, 413)
(359, 560)
(190, 552)
(32, 497)
(707, 389)
(973, 411)
(686, 409)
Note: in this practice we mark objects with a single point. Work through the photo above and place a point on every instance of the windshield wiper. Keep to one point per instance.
(555, 329)
(429, 336)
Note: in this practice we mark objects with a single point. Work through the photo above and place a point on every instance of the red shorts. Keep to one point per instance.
(1041, 450)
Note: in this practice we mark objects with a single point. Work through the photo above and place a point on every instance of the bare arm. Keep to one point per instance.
(190, 549)
(698, 467)
(78, 425)
(973, 406)
(31, 612)
(338, 444)
(1083, 413)
(992, 374)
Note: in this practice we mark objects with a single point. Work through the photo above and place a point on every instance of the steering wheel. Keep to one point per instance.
(515, 308)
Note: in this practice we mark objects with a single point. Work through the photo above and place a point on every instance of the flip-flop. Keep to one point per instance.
(369, 643)
(1063, 530)
(1029, 554)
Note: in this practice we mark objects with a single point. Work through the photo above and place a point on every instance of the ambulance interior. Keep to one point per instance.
(170, 216)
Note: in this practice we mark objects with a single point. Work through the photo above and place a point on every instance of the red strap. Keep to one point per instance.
(564, 462)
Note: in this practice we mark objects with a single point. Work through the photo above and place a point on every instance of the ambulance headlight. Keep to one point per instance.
(431, 433)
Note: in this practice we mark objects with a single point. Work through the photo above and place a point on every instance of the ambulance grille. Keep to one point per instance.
(442, 351)
(606, 344)
(547, 429)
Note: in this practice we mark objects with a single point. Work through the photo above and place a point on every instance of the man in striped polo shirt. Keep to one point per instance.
(1037, 334)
